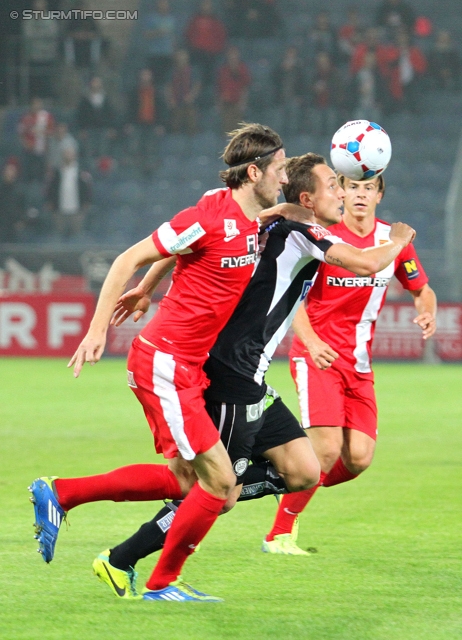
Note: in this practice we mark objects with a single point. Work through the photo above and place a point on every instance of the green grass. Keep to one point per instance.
(389, 550)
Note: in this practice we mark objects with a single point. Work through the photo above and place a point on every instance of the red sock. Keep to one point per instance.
(192, 521)
(135, 482)
(338, 474)
(291, 505)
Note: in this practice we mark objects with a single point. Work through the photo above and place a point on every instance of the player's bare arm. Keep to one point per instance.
(122, 269)
(426, 305)
(138, 299)
(320, 352)
(364, 262)
(287, 210)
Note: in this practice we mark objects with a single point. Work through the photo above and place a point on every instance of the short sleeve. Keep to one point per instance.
(409, 270)
(313, 240)
(184, 233)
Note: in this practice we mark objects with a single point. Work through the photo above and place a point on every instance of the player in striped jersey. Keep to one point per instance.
(330, 357)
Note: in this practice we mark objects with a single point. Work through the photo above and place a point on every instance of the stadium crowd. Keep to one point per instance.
(224, 62)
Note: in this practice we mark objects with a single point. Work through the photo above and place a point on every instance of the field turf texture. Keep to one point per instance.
(388, 564)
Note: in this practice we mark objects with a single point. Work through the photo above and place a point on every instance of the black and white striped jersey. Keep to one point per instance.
(244, 348)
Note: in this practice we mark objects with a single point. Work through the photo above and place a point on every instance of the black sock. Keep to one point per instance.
(261, 479)
(149, 538)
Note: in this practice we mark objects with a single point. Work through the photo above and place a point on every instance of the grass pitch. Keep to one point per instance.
(389, 553)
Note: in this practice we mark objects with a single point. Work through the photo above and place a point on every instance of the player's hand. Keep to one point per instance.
(90, 350)
(402, 233)
(427, 323)
(321, 353)
(134, 301)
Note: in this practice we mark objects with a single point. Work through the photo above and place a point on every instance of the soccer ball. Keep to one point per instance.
(360, 150)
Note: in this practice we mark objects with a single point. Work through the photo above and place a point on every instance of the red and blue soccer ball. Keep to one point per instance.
(360, 150)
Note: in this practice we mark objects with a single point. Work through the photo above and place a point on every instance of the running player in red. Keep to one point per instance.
(216, 242)
(330, 358)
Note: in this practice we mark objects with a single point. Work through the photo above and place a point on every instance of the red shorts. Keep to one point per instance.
(171, 392)
(336, 397)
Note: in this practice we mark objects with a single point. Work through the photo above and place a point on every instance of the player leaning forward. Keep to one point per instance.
(330, 357)
(214, 241)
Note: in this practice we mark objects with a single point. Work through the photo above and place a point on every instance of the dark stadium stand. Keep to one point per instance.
(128, 203)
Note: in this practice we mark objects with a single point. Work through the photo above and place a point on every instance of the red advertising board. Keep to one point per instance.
(398, 338)
(54, 325)
(44, 325)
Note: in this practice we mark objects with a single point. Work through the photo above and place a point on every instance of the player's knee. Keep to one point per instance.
(304, 479)
(226, 483)
(358, 463)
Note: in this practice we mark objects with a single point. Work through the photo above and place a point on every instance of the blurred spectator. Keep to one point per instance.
(327, 96)
(350, 33)
(371, 43)
(289, 83)
(41, 41)
(61, 139)
(233, 86)
(367, 91)
(252, 18)
(141, 122)
(12, 203)
(96, 121)
(69, 196)
(407, 67)
(444, 62)
(206, 38)
(182, 92)
(323, 37)
(83, 41)
(393, 15)
(35, 128)
(159, 34)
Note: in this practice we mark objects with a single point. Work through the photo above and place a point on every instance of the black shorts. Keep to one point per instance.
(247, 431)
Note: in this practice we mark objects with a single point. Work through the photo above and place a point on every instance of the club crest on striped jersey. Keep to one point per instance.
(231, 230)
(317, 231)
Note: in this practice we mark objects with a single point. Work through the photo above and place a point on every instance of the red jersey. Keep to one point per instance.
(343, 307)
(217, 249)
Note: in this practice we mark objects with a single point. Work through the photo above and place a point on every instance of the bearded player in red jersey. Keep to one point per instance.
(330, 357)
(216, 242)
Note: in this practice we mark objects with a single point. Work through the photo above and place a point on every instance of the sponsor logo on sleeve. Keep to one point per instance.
(186, 238)
(231, 230)
(318, 232)
(307, 284)
(411, 269)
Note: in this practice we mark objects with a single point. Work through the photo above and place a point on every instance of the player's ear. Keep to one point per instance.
(305, 200)
(379, 196)
(253, 172)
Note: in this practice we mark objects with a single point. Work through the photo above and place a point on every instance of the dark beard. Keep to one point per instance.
(263, 200)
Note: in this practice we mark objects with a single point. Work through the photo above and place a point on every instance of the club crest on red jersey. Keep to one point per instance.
(231, 230)
(318, 232)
